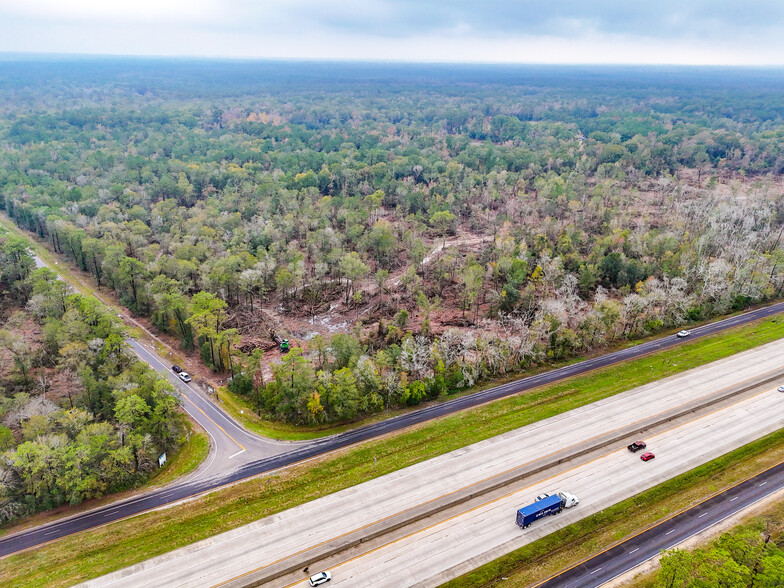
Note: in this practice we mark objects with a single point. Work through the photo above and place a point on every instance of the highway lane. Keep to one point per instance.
(625, 556)
(121, 510)
(443, 549)
(271, 541)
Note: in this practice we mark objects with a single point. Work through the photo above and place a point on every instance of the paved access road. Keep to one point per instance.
(230, 444)
(358, 510)
(625, 556)
(192, 487)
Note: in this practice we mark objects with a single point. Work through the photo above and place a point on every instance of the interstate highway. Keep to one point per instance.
(669, 533)
(429, 555)
(292, 538)
(178, 491)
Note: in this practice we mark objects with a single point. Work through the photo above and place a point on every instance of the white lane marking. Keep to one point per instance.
(762, 484)
(702, 515)
(52, 532)
(596, 570)
(110, 513)
(236, 454)
(681, 541)
(633, 550)
(731, 499)
(670, 532)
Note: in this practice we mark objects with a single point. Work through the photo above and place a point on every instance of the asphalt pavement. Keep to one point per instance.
(290, 455)
(619, 559)
(448, 544)
(460, 505)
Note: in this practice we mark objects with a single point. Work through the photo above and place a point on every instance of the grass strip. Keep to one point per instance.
(187, 458)
(544, 557)
(180, 463)
(96, 552)
(769, 519)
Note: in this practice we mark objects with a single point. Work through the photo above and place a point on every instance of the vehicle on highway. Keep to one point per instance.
(549, 505)
(320, 578)
(176, 369)
(185, 377)
(647, 456)
(780, 388)
(682, 334)
(636, 446)
(569, 500)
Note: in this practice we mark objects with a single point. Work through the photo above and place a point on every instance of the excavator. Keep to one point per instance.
(283, 344)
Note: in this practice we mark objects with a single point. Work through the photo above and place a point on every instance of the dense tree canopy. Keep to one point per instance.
(78, 417)
(457, 223)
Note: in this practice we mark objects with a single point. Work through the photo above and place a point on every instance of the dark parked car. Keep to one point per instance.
(647, 456)
(636, 446)
(176, 369)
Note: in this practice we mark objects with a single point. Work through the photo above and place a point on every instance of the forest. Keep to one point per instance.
(79, 418)
(413, 230)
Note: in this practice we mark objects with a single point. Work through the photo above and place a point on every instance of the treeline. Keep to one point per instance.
(80, 418)
(738, 559)
(609, 211)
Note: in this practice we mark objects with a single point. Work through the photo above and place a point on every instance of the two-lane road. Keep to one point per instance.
(121, 510)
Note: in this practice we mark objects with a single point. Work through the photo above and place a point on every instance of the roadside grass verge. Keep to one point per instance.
(561, 549)
(182, 462)
(187, 458)
(99, 551)
(769, 519)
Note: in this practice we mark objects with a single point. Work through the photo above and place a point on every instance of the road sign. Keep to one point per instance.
(162, 460)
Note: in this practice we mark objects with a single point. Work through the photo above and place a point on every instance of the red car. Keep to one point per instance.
(647, 456)
(636, 446)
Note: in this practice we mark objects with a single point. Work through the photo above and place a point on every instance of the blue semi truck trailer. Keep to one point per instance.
(548, 505)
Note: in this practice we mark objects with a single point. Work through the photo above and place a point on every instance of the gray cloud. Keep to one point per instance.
(655, 31)
(656, 18)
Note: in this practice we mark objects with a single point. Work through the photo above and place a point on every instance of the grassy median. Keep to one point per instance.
(96, 552)
(541, 559)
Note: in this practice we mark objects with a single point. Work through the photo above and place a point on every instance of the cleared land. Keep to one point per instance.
(292, 532)
(89, 554)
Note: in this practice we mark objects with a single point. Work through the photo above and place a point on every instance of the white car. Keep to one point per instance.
(542, 496)
(320, 578)
(780, 388)
(184, 376)
(682, 334)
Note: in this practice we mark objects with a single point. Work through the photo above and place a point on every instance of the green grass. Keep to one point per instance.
(568, 546)
(769, 519)
(180, 463)
(96, 552)
(185, 460)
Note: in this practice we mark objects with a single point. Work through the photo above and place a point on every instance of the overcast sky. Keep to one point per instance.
(733, 32)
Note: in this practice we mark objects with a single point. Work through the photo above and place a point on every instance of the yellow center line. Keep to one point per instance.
(197, 408)
(212, 421)
(507, 495)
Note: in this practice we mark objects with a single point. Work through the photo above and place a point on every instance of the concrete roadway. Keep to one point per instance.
(273, 540)
(670, 533)
(437, 553)
(288, 455)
